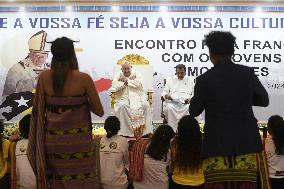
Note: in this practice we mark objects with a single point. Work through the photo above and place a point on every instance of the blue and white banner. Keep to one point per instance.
(165, 38)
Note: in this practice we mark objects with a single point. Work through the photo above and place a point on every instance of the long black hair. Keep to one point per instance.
(1, 137)
(112, 126)
(160, 142)
(64, 60)
(188, 145)
(276, 129)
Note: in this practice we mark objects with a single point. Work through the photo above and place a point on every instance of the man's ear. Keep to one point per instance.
(212, 57)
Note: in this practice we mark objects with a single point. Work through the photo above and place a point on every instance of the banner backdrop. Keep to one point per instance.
(165, 38)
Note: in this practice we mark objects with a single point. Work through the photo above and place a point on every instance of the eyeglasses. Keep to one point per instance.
(39, 55)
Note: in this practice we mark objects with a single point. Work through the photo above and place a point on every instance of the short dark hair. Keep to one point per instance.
(220, 43)
(24, 126)
(181, 66)
(112, 126)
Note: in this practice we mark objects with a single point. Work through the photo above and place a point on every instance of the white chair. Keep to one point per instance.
(141, 65)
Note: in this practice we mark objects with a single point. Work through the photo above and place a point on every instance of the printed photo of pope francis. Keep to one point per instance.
(23, 75)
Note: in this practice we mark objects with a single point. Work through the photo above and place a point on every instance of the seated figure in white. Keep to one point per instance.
(177, 94)
(131, 100)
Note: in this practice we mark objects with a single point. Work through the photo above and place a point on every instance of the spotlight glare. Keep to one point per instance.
(68, 8)
(22, 9)
(163, 8)
(115, 8)
(211, 8)
(258, 9)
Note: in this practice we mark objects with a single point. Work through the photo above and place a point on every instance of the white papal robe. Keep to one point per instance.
(131, 99)
(179, 90)
(22, 77)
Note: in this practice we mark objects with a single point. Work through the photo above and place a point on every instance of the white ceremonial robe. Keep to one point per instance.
(179, 90)
(130, 99)
(22, 77)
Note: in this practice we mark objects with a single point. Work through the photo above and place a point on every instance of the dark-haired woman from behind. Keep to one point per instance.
(157, 160)
(113, 156)
(61, 148)
(186, 155)
(274, 147)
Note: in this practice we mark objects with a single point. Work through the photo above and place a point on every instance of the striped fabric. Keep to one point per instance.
(36, 147)
(231, 185)
(136, 158)
(69, 147)
(229, 172)
(62, 146)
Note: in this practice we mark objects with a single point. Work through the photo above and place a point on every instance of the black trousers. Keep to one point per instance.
(5, 182)
(277, 183)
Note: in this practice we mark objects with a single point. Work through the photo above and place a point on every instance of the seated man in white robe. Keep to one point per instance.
(177, 94)
(131, 106)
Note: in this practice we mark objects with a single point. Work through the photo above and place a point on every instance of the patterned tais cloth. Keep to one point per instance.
(70, 155)
(231, 172)
(136, 159)
(61, 150)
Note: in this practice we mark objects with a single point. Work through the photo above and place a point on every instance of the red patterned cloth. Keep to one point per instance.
(136, 158)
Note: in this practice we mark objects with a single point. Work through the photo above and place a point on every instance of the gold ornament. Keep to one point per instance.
(134, 59)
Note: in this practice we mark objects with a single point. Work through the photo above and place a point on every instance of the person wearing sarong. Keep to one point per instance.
(131, 101)
(227, 93)
(177, 94)
(61, 149)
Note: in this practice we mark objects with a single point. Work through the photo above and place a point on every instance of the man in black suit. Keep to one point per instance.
(227, 93)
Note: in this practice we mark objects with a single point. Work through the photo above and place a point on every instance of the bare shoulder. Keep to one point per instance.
(83, 77)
